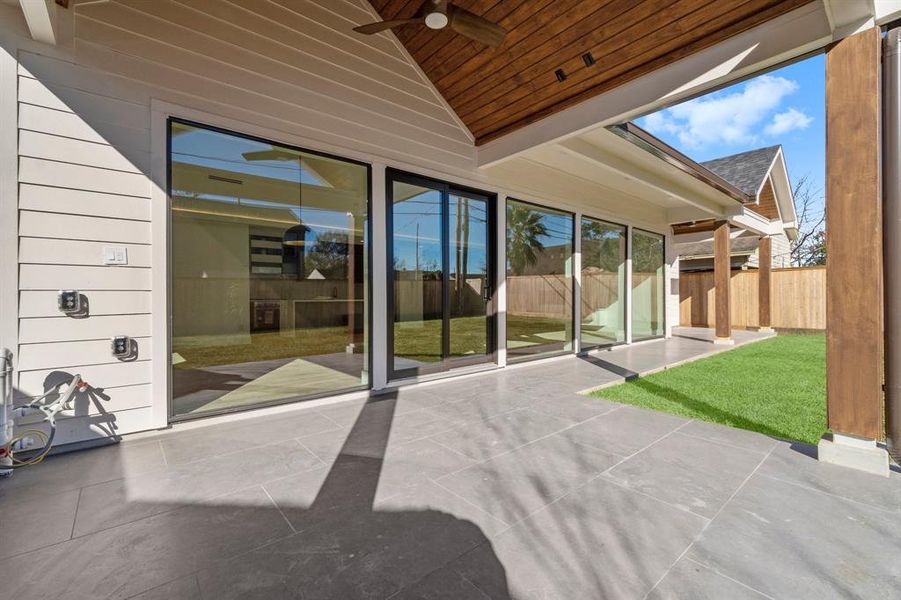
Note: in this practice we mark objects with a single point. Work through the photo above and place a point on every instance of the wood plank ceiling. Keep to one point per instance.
(497, 90)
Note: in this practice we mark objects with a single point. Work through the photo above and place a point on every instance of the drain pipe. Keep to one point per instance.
(891, 236)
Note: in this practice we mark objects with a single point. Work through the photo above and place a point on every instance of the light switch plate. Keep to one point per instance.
(115, 255)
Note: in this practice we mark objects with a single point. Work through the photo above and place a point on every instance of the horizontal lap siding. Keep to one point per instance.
(83, 184)
(292, 66)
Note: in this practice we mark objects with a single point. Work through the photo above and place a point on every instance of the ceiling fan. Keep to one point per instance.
(439, 14)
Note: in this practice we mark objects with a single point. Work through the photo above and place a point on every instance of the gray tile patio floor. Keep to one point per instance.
(501, 485)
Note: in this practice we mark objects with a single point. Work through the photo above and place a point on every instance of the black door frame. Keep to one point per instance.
(446, 189)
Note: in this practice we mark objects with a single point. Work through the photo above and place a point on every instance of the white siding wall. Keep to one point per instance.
(82, 185)
(781, 251)
(84, 155)
(91, 165)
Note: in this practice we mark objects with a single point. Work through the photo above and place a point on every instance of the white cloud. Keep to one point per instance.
(731, 118)
(787, 121)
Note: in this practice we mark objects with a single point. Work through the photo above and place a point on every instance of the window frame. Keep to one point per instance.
(574, 310)
(627, 239)
(172, 417)
(663, 287)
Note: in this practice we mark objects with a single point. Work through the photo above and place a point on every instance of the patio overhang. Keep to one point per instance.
(808, 28)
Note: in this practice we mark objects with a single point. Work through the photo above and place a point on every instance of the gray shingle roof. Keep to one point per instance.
(744, 170)
(743, 245)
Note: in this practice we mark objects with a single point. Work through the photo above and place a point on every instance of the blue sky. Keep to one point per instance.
(786, 106)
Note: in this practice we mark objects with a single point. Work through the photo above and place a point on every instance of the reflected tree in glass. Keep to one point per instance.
(539, 280)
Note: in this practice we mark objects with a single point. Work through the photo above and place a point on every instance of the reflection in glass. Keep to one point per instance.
(468, 273)
(418, 276)
(268, 272)
(539, 280)
(647, 285)
(603, 282)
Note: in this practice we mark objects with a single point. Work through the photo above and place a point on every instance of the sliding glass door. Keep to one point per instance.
(539, 281)
(647, 285)
(603, 298)
(440, 269)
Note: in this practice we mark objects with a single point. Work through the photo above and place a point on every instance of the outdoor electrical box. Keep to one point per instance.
(121, 346)
(69, 301)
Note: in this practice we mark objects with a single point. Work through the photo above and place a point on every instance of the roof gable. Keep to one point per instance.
(745, 170)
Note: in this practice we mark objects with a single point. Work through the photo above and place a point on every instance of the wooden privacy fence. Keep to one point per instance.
(798, 299)
(550, 296)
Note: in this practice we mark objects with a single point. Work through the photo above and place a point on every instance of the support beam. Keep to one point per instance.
(854, 247)
(722, 275)
(40, 16)
(765, 283)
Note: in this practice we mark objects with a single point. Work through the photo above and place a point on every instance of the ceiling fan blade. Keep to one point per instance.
(475, 27)
(371, 28)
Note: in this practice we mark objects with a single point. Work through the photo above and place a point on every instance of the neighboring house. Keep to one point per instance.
(762, 174)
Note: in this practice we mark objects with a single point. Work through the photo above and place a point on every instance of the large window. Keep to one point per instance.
(268, 272)
(539, 281)
(647, 285)
(603, 310)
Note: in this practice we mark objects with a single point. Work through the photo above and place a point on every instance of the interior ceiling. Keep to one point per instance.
(497, 90)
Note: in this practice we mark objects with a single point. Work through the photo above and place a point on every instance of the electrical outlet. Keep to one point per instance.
(121, 346)
(69, 301)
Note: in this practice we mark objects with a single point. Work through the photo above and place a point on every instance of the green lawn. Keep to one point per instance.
(423, 342)
(776, 387)
(266, 345)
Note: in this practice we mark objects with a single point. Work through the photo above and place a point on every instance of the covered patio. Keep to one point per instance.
(507, 484)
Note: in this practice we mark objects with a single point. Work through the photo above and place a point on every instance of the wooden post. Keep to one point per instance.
(722, 267)
(854, 340)
(764, 283)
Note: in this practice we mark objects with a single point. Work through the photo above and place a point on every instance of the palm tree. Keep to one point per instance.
(524, 230)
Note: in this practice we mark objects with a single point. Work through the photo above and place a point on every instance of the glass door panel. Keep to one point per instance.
(647, 285)
(418, 256)
(539, 281)
(468, 276)
(603, 310)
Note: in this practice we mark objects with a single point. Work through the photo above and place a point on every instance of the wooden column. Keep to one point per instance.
(854, 240)
(722, 267)
(764, 283)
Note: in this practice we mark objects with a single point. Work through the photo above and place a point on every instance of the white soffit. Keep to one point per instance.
(611, 162)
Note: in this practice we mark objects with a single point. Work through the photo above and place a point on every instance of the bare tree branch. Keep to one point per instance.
(809, 248)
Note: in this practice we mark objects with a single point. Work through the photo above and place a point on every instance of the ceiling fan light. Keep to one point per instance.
(436, 20)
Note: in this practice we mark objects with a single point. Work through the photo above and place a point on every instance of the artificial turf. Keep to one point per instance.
(776, 386)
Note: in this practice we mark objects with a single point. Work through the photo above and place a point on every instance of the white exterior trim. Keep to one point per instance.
(378, 327)
(160, 303)
(40, 15)
(9, 204)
